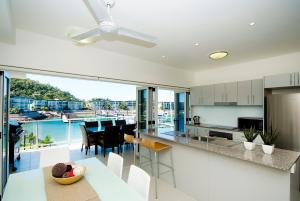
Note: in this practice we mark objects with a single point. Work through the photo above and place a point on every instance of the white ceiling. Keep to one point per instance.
(214, 24)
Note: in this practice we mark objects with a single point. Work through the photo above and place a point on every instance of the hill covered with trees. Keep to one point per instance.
(38, 91)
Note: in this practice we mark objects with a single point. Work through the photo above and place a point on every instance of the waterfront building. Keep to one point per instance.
(38, 104)
(57, 105)
(20, 102)
(75, 105)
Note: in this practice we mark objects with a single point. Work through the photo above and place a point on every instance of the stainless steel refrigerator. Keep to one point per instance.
(283, 112)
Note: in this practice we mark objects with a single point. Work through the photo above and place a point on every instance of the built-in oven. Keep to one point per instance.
(250, 122)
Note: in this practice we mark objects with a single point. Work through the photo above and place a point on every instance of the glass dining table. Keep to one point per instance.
(30, 185)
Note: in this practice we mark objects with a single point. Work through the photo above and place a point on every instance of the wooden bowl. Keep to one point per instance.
(70, 180)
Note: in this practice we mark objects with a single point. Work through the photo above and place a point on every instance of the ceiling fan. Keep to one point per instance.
(100, 9)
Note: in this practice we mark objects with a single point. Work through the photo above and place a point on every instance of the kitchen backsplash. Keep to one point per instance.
(225, 115)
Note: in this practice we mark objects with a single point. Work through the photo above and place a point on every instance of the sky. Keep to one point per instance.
(88, 89)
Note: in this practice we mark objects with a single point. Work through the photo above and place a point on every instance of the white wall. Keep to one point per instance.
(42, 52)
(225, 115)
(7, 28)
(249, 70)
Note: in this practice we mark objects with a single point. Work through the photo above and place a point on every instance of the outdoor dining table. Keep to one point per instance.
(97, 132)
(29, 185)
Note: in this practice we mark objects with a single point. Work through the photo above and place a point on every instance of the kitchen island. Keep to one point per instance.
(217, 171)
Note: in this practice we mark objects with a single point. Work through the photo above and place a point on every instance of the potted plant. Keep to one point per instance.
(250, 135)
(269, 137)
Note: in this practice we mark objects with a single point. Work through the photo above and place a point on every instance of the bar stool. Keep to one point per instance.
(130, 139)
(156, 148)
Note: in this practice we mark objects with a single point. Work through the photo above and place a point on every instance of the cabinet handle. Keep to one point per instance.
(253, 99)
(291, 79)
(298, 78)
(248, 99)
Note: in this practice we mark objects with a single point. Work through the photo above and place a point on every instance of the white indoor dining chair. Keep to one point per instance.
(140, 181)
(115, 163)
(51, 156)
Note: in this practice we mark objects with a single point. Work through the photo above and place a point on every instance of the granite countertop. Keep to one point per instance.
(280, 159)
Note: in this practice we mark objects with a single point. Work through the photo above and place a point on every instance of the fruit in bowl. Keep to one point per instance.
(67, 174)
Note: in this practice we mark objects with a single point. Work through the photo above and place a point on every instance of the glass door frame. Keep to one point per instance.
(4, 118)
(187, 107)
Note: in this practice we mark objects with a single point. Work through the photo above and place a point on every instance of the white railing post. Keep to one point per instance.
(69, 132)
(37, 135)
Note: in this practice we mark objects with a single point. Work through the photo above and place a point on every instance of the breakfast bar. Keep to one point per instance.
(203, 169)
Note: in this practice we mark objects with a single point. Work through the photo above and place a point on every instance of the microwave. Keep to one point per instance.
(250, 122)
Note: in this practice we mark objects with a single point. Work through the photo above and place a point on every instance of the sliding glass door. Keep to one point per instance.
(4, 110)
(146, 109)
(165, 110)
(182, 110)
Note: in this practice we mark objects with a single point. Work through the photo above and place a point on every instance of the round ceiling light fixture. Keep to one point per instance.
(218, 55)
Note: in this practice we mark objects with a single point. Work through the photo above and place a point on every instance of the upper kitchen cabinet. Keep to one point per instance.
(244, 92)
(297, 79)
(257, 92)
(225, 93)
(207, 95)
(219, 91)
(195, 95)
(231, 92)
(250, 92)
(202, 95)
(282, 80)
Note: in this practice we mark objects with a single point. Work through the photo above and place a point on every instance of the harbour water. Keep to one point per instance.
(59, 131)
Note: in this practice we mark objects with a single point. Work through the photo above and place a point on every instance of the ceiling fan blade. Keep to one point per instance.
(98, 9)
(88, 34)
(136, 35)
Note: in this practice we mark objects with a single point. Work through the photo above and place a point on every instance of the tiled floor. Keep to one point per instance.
(30, 160)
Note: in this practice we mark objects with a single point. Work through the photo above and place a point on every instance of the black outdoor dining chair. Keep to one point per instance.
(87, 139)
(121, 122)
(129, 129)
(106, 123)
(110, 138)
(89, 124)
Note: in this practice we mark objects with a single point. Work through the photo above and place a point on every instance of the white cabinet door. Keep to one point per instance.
(231, 92)
(195, 95)
(202, 131)
(219, 91)
(244, 93)
(257, 92)
(282, 80)
(207, 95)
(190, 130)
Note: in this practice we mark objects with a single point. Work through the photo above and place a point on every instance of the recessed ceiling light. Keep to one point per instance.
(252, 23)
(218, 55)
(163, 56)
(196, 44)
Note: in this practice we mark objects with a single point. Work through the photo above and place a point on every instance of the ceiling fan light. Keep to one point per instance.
(218, 55)
(108, 27)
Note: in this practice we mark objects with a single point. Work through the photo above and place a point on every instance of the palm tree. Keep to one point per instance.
(31, 139)
(107, 105)
(123, 106)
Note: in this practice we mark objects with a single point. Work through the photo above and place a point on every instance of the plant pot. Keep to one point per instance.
(249, 145)
(268, 149)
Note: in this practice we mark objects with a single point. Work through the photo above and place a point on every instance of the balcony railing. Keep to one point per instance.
(41, 133)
